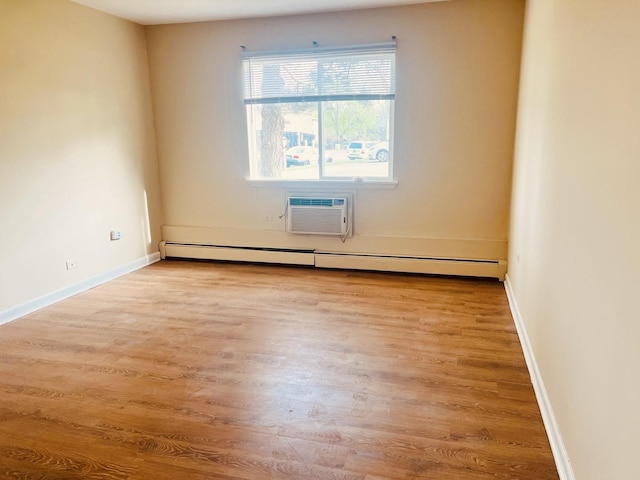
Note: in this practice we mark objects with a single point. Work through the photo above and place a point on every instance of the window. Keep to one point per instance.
(322, 114)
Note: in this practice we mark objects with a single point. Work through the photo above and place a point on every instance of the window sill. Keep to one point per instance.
(323, 184)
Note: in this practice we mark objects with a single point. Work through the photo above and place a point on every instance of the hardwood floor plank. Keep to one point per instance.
(197, 370)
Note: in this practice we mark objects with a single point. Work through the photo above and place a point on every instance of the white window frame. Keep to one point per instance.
(385, 90)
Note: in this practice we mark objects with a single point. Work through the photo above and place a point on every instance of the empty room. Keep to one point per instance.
(357, 239)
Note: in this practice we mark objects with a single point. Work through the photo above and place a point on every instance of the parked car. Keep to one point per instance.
(301, 155)
(379, 152)
(358, 149)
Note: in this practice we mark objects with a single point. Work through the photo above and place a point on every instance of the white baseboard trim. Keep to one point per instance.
(551, 426)
(54, 297)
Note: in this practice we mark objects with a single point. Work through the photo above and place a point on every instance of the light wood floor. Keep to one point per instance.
(188, 370)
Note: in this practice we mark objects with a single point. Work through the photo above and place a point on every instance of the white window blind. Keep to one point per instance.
(351, 73)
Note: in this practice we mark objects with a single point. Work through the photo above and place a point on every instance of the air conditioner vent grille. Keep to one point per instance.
(311, 202)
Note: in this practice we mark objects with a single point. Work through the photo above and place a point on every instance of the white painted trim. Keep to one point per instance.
(551, 426)
(54, 297)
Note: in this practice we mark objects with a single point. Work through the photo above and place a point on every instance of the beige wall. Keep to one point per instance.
(574, 258)
(457, 70)
(77, 148)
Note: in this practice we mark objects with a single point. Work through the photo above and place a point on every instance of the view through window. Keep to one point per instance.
(322, 114)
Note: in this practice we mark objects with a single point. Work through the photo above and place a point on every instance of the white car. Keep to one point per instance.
(379, 152)
(301, 155)
(357, 150)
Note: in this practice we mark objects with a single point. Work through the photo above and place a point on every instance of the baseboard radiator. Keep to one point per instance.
(385, 263)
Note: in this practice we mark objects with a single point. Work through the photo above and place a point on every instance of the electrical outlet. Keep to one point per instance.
(71, 264)
(116, 234)
(268, 218)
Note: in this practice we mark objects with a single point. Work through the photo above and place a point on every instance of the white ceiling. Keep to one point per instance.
(152, 12)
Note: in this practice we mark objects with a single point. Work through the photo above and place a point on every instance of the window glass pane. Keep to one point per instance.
(285, 140)
(356, 138)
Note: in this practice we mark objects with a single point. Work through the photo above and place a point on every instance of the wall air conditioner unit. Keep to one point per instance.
(319, 215)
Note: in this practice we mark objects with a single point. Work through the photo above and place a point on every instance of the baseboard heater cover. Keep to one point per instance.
(236, 254)
(405, 264)
(385, 263)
